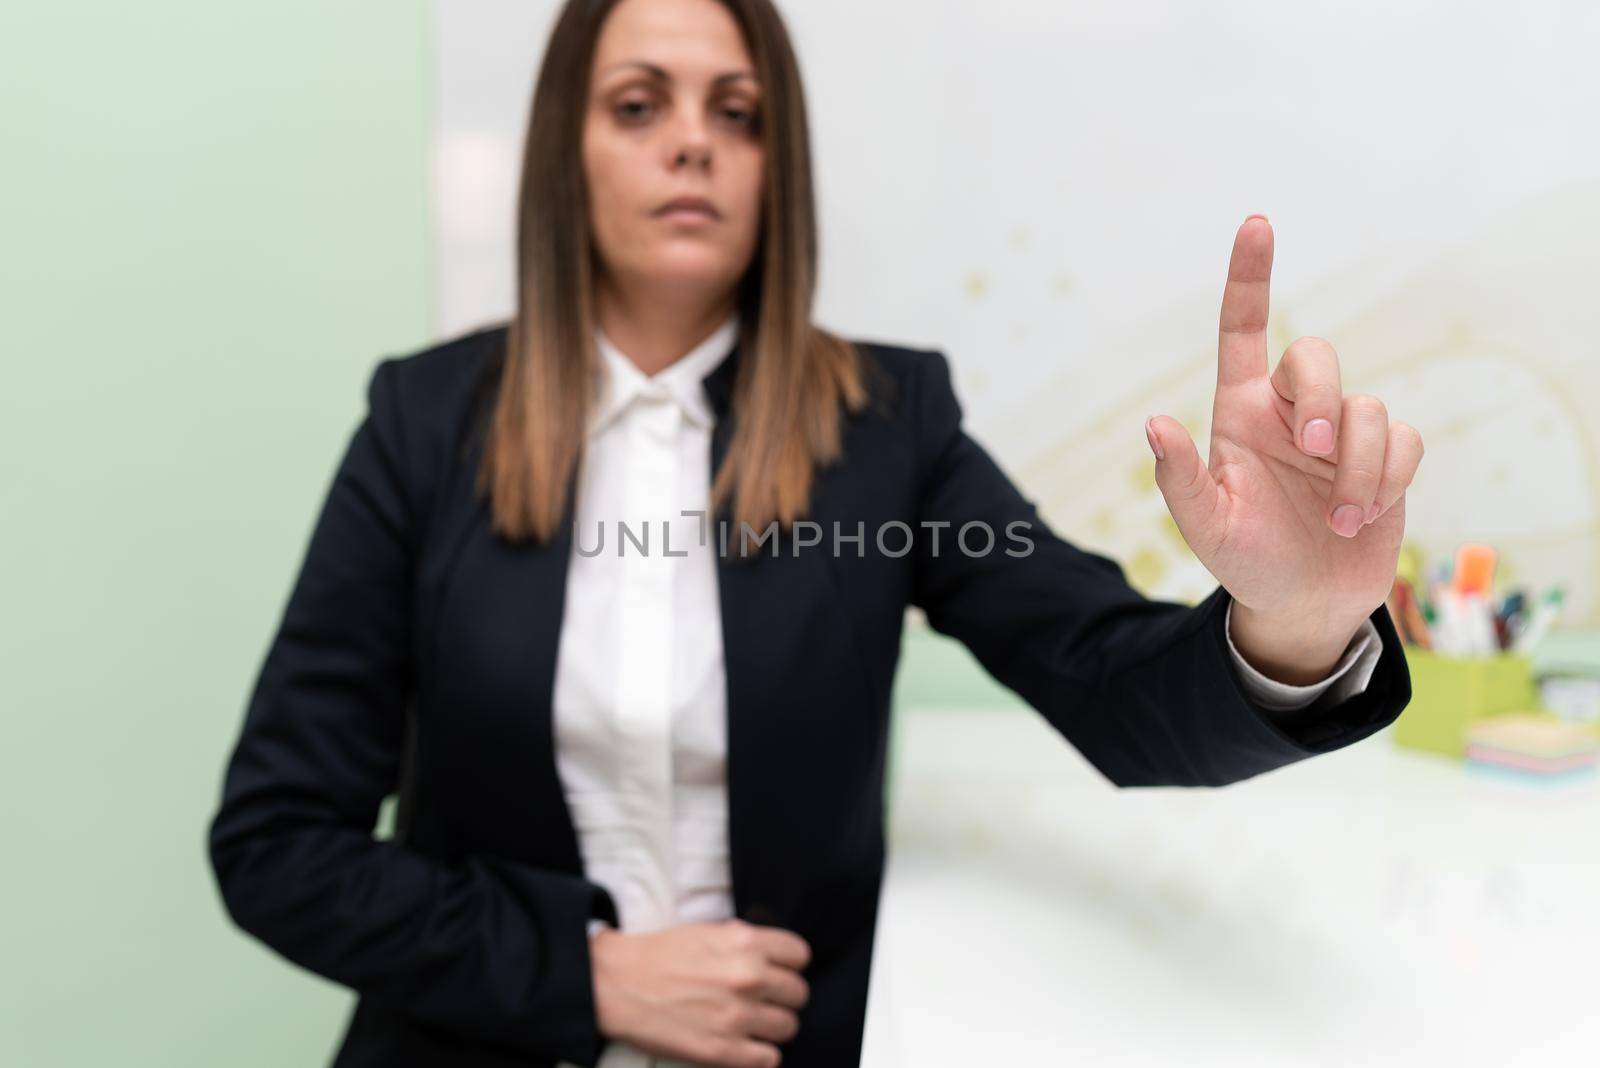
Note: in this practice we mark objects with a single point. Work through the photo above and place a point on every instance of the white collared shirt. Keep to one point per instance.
(640, 698)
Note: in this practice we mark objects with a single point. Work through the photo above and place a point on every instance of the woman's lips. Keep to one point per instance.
(688, 215)
(693, 209)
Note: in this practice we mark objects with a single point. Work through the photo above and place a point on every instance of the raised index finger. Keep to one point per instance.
(1242, 333)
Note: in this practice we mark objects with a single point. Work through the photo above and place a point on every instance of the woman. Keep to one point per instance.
(641, 781)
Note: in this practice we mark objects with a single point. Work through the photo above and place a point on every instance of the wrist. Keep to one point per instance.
(1293, 651)
(601, 937)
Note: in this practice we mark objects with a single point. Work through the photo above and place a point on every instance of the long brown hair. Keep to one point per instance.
(792, 378)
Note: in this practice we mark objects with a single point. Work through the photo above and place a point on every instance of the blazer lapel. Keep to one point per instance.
(497, 608)
(754, 642)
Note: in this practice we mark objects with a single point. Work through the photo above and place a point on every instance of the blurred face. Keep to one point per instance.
(674, 115)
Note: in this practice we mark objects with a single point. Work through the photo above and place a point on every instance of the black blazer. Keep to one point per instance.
(416, 655)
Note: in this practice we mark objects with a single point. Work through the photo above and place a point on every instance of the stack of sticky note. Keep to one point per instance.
(1532, 743)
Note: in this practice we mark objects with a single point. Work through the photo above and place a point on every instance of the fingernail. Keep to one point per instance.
(1318, 437)
(1372, 513)
(1256, 215)
(1347, 520)
(1155, 444)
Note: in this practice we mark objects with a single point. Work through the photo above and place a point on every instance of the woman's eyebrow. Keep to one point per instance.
(660, 74)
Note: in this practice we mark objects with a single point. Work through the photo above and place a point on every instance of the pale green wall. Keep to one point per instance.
(213, 226)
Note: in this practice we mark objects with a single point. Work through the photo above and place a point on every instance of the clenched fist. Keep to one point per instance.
(721, 994)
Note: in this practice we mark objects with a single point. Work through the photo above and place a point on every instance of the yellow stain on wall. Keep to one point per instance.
(1143, 478)
(1145, 568)
(1460, 426)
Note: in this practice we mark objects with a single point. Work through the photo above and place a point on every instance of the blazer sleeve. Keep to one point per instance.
(1143, 688)
(484, 945)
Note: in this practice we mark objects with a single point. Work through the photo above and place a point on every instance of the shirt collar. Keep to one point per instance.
(621, 381)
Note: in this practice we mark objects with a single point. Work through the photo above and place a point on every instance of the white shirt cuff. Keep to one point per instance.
(1348, 678)
(595, 925)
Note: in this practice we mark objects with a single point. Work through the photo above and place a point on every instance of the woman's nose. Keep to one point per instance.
(693, 144)
(699, 154)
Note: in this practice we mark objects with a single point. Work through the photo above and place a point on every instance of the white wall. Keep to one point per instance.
(1049, 192)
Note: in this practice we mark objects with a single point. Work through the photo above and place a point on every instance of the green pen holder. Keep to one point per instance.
(1449, 692)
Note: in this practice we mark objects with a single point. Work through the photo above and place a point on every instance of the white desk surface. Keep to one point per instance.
(1373, 906)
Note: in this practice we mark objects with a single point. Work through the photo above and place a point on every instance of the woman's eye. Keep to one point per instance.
(638, 110)
(632, 109)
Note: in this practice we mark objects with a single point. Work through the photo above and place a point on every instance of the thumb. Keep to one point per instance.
(1192, 495)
